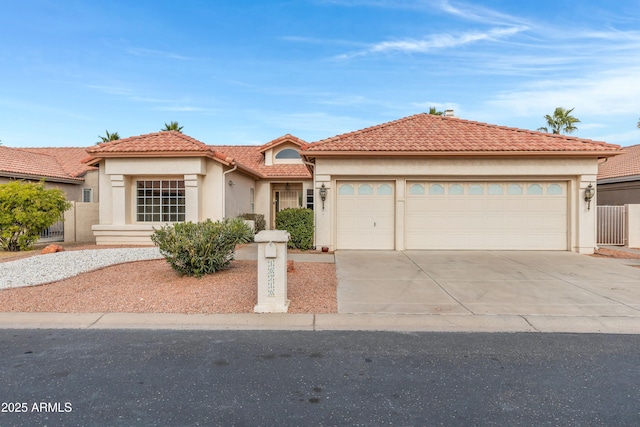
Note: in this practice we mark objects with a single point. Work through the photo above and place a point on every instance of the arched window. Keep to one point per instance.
(288, 153)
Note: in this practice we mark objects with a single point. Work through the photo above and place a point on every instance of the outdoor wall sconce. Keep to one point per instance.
(323, 194)
(589, 192)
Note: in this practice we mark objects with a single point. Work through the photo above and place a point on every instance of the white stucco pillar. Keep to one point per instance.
(119, 200)
(323, 216)
(586, 213)
(272, 271)
(633, 226)
(401, 185)
(192, 198)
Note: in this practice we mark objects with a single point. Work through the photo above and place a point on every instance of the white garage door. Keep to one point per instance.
(486, 215)
(365, 215)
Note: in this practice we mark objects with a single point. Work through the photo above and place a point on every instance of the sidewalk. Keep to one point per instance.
(323, 322)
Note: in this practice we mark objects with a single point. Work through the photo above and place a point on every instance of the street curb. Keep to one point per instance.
(323, 322)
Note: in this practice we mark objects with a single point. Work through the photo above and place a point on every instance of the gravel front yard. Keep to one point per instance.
(153, 287)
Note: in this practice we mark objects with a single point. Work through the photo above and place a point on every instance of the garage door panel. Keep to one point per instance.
(487, 215)
(365, 215)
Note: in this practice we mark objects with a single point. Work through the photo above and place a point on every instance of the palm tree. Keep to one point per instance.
(110, 137)
(434, 111)
(638, 123)
(561, 122)
(172, 126)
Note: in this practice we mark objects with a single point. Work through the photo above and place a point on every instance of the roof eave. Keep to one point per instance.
(619, 179)
(46, 178)
(329, 153)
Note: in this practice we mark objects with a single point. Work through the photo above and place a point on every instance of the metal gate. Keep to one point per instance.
(612, 225)
(55, 233)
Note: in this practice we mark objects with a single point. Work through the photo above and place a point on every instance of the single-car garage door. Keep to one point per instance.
(486, 215)
(365, 215)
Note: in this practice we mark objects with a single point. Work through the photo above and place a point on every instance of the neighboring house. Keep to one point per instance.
(149, 180)
(421, 182)
(437, 182)
(61, 168)
(619, 179)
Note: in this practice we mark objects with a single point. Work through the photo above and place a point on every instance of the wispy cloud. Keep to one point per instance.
(475, 13)
(436, 42)
(140, 51)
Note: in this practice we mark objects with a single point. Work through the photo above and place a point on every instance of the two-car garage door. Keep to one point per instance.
(454, 215)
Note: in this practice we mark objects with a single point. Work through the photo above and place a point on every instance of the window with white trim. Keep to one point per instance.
(160, 201)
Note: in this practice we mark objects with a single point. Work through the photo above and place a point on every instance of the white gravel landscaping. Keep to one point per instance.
(40, 269)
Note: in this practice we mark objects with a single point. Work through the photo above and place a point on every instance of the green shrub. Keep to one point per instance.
(299, 224)
(258, 220)
(26, 208)
(196, 249)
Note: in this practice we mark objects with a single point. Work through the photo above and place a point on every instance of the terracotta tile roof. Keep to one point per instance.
(21, 162)
(428, 133)
(70, 158)
(165, 141)
(168, 142)
(627, 164)
(284, 138)
(158, 143)
(252, 158)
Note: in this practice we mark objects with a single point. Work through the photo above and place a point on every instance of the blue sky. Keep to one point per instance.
(247, 72)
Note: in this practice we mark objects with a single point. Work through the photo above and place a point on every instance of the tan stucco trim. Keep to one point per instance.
(155, 154)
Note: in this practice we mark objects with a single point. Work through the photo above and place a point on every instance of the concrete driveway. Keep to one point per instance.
(486, 282)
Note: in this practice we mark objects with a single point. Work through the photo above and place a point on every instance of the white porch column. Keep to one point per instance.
(119, 200)
(192, 198)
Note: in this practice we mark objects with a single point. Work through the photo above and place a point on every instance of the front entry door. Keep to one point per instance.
(286, 199)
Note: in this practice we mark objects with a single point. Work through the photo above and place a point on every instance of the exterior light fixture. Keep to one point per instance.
(231, 183)
(323, 194)
(589, 192)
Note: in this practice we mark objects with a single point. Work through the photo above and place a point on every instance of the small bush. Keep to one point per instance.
(258, 220)
(26, 208)
(196, 249)
(299, 224)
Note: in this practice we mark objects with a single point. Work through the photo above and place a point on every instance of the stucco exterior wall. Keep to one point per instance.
(633, 225)
(78, 222)
(92, 181)
(238, 194)
(577, 172)
(263, 202)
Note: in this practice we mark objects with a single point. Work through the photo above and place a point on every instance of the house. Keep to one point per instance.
(420, 182)
(62, 168)
(59, 167)
(439, 182)
(619, 178)
(149, 180)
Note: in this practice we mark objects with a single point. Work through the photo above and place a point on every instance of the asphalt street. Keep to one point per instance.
(150, 378)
